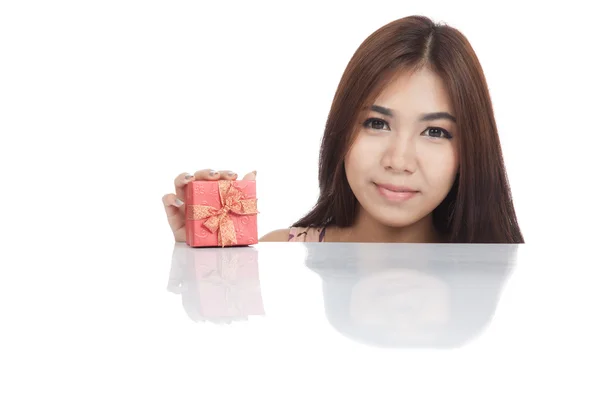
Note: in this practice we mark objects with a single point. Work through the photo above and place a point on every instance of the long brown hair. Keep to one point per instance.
(479, 207)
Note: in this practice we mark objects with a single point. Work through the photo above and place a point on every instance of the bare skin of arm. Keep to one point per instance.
(279, 235)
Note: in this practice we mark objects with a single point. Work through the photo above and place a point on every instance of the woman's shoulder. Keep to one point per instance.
(295, 234)
(304, 234)
(279, 235)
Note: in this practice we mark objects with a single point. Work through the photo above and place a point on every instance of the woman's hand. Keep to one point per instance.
(173, 202)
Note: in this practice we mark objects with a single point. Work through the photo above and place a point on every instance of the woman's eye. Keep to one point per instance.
(437, 133)
(377, 124)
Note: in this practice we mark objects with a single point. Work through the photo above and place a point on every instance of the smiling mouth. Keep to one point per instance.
(396, 193)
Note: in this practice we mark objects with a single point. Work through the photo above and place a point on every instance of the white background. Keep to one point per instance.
(103, 103)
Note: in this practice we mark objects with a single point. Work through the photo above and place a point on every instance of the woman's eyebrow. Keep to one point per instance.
(437, 115)
(424, 117)
(382, 110)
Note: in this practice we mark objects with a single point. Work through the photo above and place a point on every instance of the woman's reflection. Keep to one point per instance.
(411, 296)
(217, 285)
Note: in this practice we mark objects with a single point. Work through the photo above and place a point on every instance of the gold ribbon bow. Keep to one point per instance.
(232, 201)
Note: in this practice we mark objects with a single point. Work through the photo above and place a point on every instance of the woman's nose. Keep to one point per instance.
(400, 155)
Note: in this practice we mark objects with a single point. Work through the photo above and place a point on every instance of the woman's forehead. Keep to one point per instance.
(414, 92)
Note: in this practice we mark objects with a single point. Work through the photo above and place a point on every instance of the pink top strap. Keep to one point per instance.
(306, 234)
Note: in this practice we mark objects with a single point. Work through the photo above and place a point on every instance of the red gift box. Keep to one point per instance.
(221, 213)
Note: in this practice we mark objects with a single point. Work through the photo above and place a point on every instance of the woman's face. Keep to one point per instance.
(404, 159)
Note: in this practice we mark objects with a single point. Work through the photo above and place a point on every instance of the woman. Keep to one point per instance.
(410, 152)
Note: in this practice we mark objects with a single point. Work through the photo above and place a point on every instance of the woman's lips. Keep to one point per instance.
(396, 193)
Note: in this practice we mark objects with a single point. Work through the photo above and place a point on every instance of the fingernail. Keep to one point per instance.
(230, 173)
(254, 172)
(188, 177)
(212, 172)
(178, 203)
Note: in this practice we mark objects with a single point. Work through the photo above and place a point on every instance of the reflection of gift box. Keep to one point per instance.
(221, 213)
(227, 283)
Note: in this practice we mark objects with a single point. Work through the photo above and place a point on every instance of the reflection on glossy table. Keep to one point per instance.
(317, 320)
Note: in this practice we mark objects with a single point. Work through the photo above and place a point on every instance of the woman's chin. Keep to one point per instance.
(396, 222)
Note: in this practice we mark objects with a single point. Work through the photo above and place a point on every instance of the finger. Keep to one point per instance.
(172, 204)
(206, 175)
(180, 182)
(250, 176)
(175, 216)
(228, 175)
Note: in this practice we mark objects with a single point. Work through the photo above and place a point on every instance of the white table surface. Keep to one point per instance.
(295, 320)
